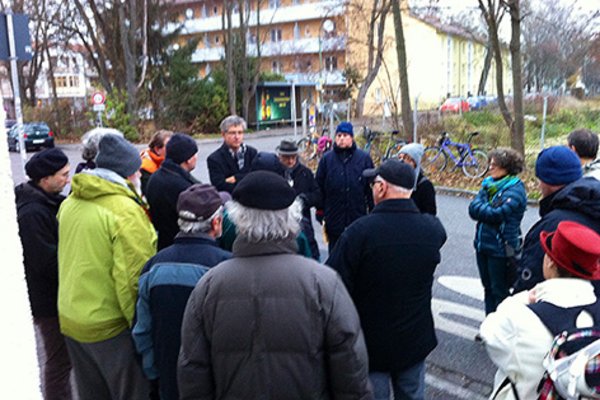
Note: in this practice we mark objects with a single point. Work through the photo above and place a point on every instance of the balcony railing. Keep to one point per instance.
(295, 13)
(273, 49)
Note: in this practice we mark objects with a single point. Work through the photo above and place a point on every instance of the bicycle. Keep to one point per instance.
(313, 146)
(474, 162)
(374, 144)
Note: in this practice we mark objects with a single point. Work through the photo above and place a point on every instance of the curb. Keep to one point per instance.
(471, 193)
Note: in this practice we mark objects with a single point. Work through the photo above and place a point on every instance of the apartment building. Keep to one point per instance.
(303, 40)
(314, 41)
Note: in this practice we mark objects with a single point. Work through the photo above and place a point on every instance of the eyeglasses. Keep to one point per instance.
(372, 184)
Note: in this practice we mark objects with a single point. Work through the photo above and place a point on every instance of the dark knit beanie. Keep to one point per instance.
(558, 165)
(181, 148)
(117, 154)
(264, 190)
(45, 163)
(345, 127)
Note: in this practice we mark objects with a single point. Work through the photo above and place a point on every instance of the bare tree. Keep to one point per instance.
(517, 130)
(407, 117)
(557, 40)
(375, 44)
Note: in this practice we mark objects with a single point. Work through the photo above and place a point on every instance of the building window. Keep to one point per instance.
(215, 10)
(274, 3)
(206, 41)
(275, 35)
(189, 13)
(60, 81)
(203, 10)
(207, 69)
(296, 31)
(276, 67)
(217, 39)
(330, 63)
(251, 38)
(307, 32)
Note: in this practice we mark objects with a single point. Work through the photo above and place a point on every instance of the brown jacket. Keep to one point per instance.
(270, 324)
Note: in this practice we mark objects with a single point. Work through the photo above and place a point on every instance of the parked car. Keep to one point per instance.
(454, 104)
(476, 102)
(35, 136)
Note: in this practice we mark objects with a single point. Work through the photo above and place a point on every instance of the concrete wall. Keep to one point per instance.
(19, 376)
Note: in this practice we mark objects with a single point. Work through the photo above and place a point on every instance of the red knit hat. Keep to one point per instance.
(575, 248)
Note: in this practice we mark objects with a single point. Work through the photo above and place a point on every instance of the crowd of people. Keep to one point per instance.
(145, 283)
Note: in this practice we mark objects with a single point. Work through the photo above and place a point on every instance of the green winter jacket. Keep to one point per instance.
(105, 237)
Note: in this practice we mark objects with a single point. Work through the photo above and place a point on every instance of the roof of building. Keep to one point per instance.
(448, 28)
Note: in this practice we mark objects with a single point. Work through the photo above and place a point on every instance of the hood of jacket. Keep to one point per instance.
(100, 182)
(27, 193)
(582, 195)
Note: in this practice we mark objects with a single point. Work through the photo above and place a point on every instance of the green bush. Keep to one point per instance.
(116, 115)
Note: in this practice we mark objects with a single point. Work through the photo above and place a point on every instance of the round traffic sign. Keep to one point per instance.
(98, 98)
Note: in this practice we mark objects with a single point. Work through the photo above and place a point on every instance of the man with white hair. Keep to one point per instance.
(270, 323)
(387, 260)
(231, 162)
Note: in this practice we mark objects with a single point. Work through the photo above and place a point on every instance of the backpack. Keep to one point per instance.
(573, 362)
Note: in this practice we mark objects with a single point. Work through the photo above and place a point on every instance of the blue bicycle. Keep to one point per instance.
(474, 162)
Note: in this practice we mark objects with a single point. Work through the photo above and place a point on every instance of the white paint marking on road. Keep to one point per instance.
(442, 322)
(452, 388)
(464, 285)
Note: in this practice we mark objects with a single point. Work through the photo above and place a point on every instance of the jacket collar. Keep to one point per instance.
(29, 192)
(395, 206)
(194, 238)
(243, 248)
(172, 167)
(224, 149)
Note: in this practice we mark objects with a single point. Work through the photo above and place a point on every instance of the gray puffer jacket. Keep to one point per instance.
(269, 324)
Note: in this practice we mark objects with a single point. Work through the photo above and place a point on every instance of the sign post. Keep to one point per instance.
(98, 100)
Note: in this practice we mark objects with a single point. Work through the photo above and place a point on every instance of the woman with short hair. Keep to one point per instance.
(498, 209)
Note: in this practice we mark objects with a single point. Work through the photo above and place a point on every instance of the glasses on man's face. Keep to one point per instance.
(372, 184)
(231, 133)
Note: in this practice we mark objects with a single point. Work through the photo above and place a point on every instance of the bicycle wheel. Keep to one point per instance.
(433, 160)
(476, 165)
(393, 151)
(307, 148)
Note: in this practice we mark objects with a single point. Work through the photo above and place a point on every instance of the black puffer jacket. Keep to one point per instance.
(346, 194)
(269, 324)
(38, 229)
(162, 193)
(579, 202)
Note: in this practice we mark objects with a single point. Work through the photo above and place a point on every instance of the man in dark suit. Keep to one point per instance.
(231, 162)
(387, 260)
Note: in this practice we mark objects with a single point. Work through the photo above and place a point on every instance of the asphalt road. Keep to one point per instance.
(459, 367)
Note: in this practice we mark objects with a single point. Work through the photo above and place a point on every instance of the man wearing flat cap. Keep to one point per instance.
(168, 279)
(269, 323)
(105, 239)
(566, 196)
(303, 181)
(165, 185)
(387, 260)
(38, 201)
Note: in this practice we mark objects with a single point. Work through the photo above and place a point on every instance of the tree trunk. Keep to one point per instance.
(487, 64)
(407, 117)
(129, 62)
(55, 105)
(229, 45)
(378, 18)
(517, 136)
(492, 17)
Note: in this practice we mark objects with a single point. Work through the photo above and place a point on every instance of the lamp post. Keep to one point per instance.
(328, 26)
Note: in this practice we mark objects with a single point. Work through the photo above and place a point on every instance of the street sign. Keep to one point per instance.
(22, 38)
(98, 107)
(98, 98)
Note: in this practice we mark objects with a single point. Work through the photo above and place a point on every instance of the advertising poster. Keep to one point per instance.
(274, 104)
